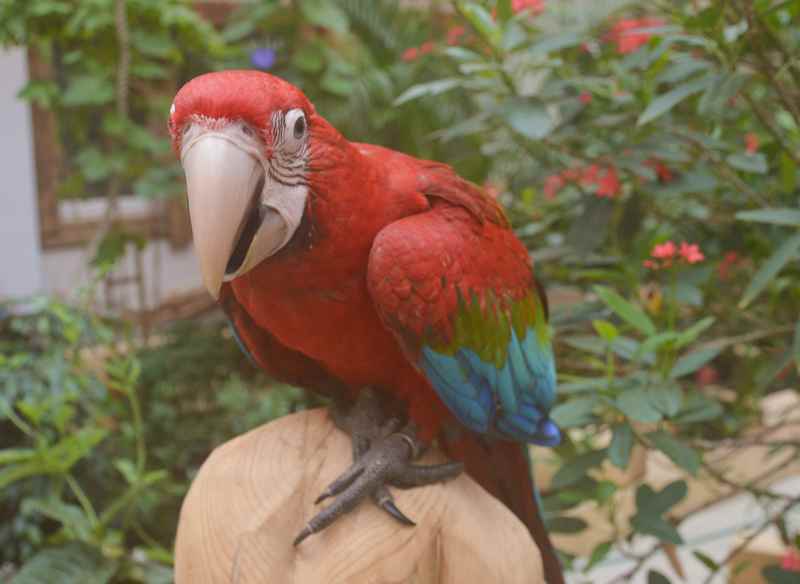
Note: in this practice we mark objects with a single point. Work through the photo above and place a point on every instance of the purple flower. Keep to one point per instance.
(263, 57)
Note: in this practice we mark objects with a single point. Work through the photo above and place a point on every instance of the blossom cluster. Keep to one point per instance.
(604, 178)
(665, 254)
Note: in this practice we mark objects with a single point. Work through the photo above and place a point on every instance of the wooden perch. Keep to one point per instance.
(256, 492)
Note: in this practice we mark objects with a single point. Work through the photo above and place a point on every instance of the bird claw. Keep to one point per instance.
(382, 457)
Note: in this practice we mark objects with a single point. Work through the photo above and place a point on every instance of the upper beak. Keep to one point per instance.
(224, 186)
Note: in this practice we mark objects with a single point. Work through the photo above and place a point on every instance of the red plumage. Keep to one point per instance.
(316, 313)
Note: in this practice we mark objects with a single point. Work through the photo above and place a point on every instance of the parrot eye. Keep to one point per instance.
(299, 127)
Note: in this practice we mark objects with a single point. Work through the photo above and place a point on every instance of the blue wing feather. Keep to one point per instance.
(512, 401)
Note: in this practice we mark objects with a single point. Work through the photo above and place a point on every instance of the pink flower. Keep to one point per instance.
(691, 253)
(725, 266)
(585, 97)
(454, 34)
(663, 173)
(791, 560)
(534, 6)
(627, 33)
(706, 375)
(750, 143)
(552, 185)
(410, 54)
(608, 185)
(426, 47)
(589, 175)
(650, 264)
(664, 251)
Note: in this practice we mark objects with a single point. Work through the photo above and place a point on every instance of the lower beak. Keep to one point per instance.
(224, 185)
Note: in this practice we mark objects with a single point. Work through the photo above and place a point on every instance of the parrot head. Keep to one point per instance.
(245, 141)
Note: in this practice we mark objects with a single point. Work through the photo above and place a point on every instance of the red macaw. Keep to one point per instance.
(346, 266)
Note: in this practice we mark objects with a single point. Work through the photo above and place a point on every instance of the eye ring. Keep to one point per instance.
(299, 127)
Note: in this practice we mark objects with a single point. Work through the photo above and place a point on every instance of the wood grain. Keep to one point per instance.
(255, 493)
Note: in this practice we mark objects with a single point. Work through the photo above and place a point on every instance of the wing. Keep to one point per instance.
(460, 296)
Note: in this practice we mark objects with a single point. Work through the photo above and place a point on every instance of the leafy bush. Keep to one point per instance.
(99, 441)
(646, 152)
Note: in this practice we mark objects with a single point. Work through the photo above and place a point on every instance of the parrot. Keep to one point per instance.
(387, 283)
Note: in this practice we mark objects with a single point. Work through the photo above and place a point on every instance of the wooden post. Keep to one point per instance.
(256, 492)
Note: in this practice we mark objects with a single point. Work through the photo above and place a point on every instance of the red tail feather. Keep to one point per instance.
(502, 468)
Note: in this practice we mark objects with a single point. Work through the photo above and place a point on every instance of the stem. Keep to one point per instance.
(84, 501)
(746, 542)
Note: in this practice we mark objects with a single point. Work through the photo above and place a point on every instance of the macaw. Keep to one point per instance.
(371, 277)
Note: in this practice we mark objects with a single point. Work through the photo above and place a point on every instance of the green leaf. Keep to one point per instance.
(564, 524)
(73, 563)
(552, 43)
(698, 408)
(694, 360)
(575, 469)
(576, 412)
(689, 335)
(325, 14)
(663, 103)
(637, 405)
(482, 22)
(88, 90)
(619, 451)
(657, 527)
(606, 330)
(599, 553)
(529, 118)
(706, 560)
(776, 262)
(681, 454)
(9, 455)
(788, 173)
(797, 344)
(631, 314)
(504, 11)
(667, 399)
(780, 216)
(426, 89)
(656, 577)
(777, 575)
(755, 163)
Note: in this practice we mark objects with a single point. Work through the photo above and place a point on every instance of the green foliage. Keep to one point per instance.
(99, 442)
(601, 146)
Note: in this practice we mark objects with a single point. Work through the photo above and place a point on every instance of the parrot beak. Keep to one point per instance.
(231, 228)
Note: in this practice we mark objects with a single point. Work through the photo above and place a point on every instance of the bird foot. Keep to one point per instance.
(383, 452)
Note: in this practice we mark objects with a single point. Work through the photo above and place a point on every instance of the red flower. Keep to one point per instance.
(552, 185)
(454, 34)
(534, 6)
(750, 143)
(585, 97)
(426, 47)
(663, 173)
(589, 175)
(791, 560)
(664, 251)
(691, 253)
(410, 54)
(608, 185)
(728, 261)
(627, 33)
(706, 375)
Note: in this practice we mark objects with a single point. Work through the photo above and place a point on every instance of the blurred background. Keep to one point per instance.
(646, 152)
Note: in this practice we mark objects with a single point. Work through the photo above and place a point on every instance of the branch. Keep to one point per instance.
(746, 542)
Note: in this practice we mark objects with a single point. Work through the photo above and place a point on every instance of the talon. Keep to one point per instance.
(302, 535)
(382, 453)
(383, 498)
(341, 483)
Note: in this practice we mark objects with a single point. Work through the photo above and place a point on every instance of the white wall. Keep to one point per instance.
(20, 251)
